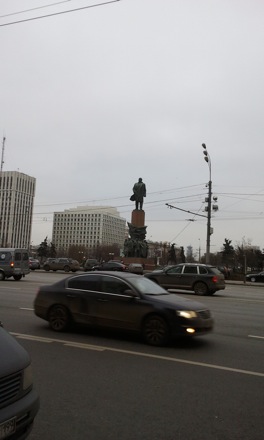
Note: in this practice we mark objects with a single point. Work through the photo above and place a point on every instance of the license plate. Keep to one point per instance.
(7, 428)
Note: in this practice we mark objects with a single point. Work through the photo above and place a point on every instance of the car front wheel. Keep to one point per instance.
(200, 289)
(17, 277)
(59, 318)
(66, 269)
(47, 268)
(2, 276)
(155, 331)
(253, 280)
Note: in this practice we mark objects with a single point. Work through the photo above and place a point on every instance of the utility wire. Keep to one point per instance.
(59, 13)
(34, 9)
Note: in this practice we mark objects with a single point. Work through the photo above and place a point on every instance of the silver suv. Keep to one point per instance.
(66, 264)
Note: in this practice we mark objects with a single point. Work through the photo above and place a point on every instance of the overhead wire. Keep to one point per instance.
(34, 9)
(59, 13)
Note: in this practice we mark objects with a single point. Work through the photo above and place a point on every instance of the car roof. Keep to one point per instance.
(123, 275)
(194, 264)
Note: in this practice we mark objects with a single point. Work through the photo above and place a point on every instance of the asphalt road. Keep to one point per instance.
(103, 386)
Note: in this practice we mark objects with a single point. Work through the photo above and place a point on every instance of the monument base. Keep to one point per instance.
(138, 218)
(147, 263)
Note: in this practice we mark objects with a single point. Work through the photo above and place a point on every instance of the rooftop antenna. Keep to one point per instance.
(3, 150)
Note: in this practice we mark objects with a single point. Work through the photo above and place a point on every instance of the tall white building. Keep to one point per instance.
(17, 192)
(88, 226)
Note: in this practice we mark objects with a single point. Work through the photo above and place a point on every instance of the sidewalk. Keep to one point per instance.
(244, 283)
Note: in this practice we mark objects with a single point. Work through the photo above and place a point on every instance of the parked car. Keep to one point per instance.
(89, 264)
(66, 264)
(33, 263)
(201, 278)
(136, 268)
(255, 277)
(123, 301)
(111, 265)
(19, 401)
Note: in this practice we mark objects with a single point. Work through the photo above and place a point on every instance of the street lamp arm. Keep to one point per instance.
(184, 210)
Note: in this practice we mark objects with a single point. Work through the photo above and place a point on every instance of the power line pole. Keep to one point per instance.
(209, 207)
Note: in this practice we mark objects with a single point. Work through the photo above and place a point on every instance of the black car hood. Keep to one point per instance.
(175, 301)
(13, 357)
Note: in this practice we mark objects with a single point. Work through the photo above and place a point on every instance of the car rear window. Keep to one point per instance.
(85, 282)
(215, 270)
(190, 269)
(202, 270)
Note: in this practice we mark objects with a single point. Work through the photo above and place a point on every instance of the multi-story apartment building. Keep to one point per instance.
(88, 226)
(17, 191)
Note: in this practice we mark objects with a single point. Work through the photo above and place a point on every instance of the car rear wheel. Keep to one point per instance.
(253, 280)
(66, 269)
(47, 268)
(200, 288)
(17, 277)
(59, 318)
(155, 331)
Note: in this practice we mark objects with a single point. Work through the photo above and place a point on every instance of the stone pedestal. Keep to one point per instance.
(138, 218)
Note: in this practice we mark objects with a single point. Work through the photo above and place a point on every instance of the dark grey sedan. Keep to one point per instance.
(124, 301)
(201, 278)
(255, 277)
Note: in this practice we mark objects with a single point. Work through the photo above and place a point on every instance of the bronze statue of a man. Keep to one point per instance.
(139, 190)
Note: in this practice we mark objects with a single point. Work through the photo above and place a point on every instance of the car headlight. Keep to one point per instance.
(186, 313)
(27, 378)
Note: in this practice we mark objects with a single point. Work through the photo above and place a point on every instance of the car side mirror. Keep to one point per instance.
(131, 293)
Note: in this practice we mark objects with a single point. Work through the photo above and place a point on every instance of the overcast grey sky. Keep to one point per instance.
(94, 99)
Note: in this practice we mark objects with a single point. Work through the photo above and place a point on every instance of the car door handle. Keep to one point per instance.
(102, 300)
(71, 296)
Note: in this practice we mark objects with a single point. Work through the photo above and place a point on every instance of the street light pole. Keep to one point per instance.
(209, 206)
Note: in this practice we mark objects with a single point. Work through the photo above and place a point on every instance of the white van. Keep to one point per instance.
(13, 263)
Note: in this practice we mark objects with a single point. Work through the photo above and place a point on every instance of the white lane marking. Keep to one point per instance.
(84, 346)
(3, 291)
(32, 338)
(25, 308)
(137, 353)
(255, 336)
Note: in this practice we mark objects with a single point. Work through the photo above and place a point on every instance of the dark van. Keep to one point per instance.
(14, 263)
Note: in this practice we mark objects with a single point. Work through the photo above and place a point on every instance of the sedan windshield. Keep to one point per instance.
(147, 287)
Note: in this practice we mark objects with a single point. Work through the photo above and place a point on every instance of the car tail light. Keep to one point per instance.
(215, 279)
(12, 264)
